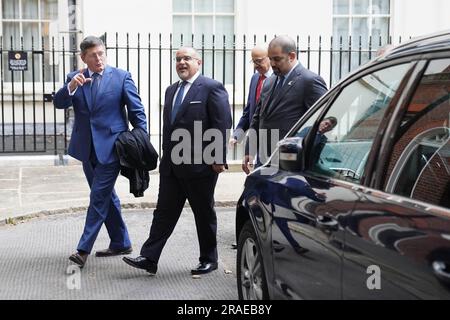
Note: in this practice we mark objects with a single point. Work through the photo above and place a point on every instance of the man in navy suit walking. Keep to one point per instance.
(261, 64)
(99, 95)
(195, 106)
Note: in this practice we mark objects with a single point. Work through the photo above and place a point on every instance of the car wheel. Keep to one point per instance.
(251, 277)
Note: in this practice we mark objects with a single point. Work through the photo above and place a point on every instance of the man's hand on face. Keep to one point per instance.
(78, 81)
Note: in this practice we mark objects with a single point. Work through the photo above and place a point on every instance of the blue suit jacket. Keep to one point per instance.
(249, 110)
(104, 121)
(207, 103)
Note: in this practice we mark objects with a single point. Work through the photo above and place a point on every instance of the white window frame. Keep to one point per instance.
(371, 16)
(6, 45)
(193, 14)
(187, 40)
(21, 21)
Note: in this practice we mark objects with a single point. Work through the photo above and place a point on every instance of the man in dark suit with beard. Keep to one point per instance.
(285, 97)
(193, 106)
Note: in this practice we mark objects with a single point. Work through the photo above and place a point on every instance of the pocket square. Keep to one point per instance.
(195, 102)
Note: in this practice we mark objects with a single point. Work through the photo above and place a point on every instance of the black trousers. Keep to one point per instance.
(172, 196)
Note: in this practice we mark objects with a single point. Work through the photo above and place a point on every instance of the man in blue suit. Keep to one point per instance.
(99, 95)
(194, 108)
(261, 64)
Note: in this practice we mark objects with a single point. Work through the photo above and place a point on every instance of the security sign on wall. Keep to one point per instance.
(18, 61)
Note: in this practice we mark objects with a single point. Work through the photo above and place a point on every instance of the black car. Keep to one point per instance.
(355, 201)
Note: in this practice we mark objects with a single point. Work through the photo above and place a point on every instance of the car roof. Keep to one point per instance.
(439, 41)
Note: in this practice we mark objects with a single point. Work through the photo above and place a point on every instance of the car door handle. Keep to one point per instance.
(327, 223)
(440, 270)
(277, 247)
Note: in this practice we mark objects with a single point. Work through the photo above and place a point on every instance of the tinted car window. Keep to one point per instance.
(419, 167)
(345, 135)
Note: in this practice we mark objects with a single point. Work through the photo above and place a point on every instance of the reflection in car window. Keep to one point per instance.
(419, 167)
(340, 149)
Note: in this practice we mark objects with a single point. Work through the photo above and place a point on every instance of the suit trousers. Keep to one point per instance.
(104, 206)
(172, 196)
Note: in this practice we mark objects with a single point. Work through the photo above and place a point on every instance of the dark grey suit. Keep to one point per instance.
(298, 93)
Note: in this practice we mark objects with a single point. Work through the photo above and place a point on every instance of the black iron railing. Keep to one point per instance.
(30, 123)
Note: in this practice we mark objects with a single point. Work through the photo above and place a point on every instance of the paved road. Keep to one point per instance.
(34, 262)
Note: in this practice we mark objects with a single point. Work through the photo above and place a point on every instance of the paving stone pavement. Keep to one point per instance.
(35, 186)
(34, 262)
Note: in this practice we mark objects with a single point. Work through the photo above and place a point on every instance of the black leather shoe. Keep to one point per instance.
(79, 258)
(142, 263)
(111, 252)
(204, 267)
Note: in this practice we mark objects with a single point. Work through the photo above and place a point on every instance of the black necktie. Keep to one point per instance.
(279, 85)
(277, 89)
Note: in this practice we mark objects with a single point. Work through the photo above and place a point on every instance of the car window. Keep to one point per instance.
(345, 134)
(419, 166)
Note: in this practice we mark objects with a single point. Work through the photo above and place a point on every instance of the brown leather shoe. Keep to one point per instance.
(79, 258)
(111, 252)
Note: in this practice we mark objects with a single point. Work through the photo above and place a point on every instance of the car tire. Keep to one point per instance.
(251, 276)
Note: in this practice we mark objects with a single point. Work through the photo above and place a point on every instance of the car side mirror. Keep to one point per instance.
(290, 154)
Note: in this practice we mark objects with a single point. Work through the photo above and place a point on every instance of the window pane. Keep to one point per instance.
(30, 29)
(203, 6)
(361, 6)
(340, 29)
(182, 5)
(381, 6)
(380, 28)
(360, 27)
(224, 26)
(182, 25)
(225, 6)
(341, 7)
(10, 9)
(11, 29)
(204, 25)
(49, 9)
(420, 159)
(30, 9)
(340, 149)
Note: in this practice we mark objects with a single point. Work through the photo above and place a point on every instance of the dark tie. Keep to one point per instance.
(279, 85)
(277, 89)
(94, 86)
(178, 101)
(259, 87)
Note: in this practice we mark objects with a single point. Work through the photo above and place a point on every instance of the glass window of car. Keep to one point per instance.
(345, 134)
(419, 166)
